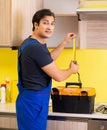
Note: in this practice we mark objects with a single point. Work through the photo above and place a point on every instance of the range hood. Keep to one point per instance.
(92, 10)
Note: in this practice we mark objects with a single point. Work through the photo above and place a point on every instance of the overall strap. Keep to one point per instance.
(25, 45)
(19, 66)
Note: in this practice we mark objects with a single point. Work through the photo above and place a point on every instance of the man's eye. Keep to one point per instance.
(53, 23)
(46, 23)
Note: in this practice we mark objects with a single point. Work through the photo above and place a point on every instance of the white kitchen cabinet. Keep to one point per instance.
(67, 125)
(66, 20)
(16, 20)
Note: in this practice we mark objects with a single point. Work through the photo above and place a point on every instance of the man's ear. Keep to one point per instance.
(36, 25)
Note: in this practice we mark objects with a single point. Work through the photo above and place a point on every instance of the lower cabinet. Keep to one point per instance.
(8, 122)
(67, 125)
(97, 124)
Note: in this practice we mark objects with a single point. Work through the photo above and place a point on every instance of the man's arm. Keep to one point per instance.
(56, 52)
(59, 75)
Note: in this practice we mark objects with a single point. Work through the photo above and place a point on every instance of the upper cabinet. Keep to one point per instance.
(16, 20)
(62, 6)
(92, 16)
(5, 22)
(63, 25)
(86, 18)
(66, 20)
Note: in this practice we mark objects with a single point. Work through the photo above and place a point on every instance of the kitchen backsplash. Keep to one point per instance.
(92, 62)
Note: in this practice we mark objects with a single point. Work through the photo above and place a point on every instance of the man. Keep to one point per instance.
(36, 69)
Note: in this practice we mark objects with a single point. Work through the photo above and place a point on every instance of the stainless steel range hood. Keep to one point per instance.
(92, 10)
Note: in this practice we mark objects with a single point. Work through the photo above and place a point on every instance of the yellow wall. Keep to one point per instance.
(93, 69)
(8, 68)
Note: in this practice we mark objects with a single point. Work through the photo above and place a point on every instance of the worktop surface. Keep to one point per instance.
(9, 108)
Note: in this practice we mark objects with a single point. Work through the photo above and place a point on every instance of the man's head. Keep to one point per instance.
(43, 24)
(40, 15)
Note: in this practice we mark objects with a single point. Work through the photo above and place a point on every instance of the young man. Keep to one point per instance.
(36, 68)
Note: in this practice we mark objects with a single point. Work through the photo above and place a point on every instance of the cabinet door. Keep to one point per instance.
(66, 20)
(5, 22)
(93, 34)
(97, 125)
(8, 122)
(66, 125)
(63, 25)
(16, 20)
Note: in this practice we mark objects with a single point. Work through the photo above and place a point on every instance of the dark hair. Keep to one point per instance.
(41, 14)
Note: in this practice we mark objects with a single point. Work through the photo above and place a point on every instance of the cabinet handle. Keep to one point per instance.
(102, 127)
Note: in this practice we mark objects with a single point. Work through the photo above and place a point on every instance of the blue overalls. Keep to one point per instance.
(31, 106)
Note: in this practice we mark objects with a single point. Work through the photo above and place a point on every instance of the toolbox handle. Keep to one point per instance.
(75, 83)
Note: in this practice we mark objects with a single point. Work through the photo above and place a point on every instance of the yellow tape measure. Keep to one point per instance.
(74, 49)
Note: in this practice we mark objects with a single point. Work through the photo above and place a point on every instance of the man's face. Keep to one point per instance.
(46, 27)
